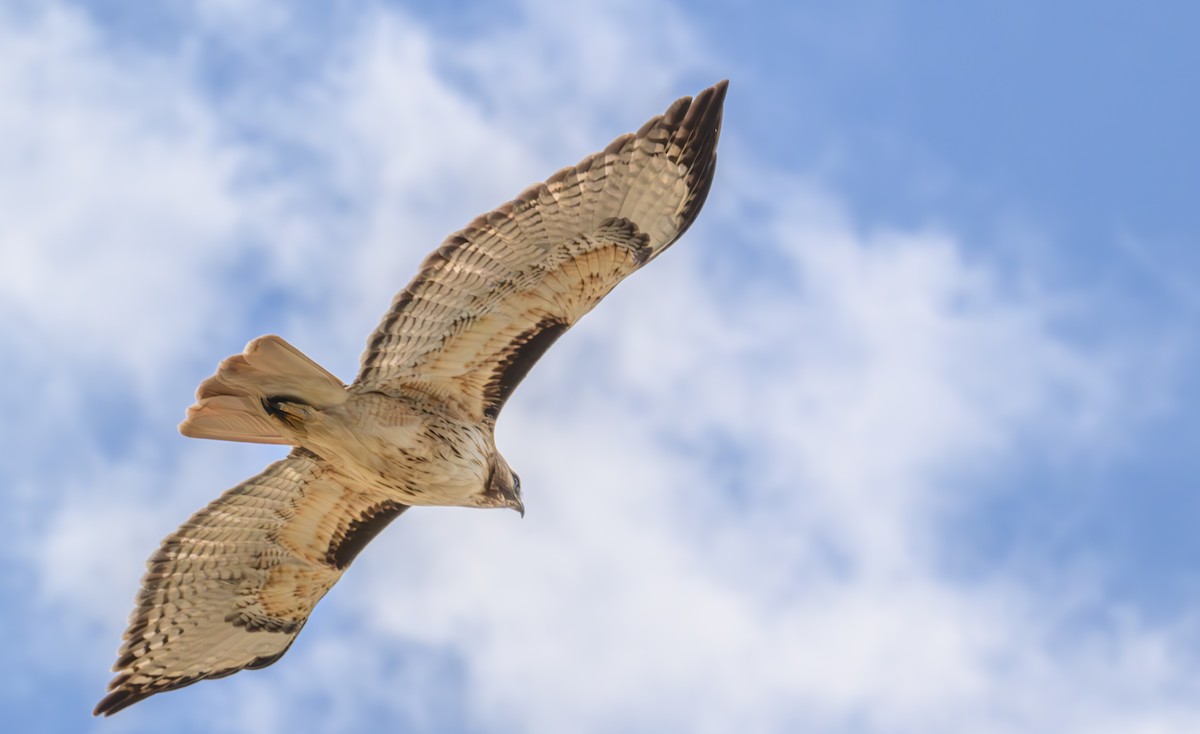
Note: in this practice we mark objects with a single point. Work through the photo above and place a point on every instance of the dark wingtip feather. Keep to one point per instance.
(123, 694)
(702, 124)
(697, 135)
(119, 699)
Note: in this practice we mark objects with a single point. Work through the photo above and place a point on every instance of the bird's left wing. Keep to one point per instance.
(233, 586)
(496, 295)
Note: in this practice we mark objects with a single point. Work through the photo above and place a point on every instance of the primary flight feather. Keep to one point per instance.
(233, 586)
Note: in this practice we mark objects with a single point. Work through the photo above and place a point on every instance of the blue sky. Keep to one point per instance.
(900, 437)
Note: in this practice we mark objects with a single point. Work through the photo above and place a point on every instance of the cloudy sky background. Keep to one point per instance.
(899, 438)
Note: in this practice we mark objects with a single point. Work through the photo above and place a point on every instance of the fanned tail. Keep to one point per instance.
(239, 402)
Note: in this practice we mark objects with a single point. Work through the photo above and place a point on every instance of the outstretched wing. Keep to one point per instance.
(233, 586)
(489, 302)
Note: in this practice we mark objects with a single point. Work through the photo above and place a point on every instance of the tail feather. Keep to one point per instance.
(232, 404)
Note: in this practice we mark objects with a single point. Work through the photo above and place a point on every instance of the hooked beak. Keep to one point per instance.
(518, 505)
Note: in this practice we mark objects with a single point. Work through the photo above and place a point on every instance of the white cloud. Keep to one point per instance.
(740, 469)
(112, 181)
(250, 20)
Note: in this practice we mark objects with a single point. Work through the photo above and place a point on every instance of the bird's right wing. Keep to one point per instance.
(233, 586)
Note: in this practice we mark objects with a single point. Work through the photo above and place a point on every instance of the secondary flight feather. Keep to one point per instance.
(233, 586)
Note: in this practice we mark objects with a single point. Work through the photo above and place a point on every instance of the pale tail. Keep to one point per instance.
(232, 404)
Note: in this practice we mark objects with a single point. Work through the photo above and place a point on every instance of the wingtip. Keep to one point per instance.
(718, 91)
(707, 107)
(700, 130)
(118, 699)
(709, 98)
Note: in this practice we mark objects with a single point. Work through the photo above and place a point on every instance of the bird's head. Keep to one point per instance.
(504, 486)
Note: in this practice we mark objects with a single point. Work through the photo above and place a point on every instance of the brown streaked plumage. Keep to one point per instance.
(234, 585)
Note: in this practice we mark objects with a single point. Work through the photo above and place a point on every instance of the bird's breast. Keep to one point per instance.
(408, 452)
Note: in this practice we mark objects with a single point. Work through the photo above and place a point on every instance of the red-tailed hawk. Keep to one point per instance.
(233, 586)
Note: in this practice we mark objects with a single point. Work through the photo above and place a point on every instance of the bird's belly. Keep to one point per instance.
(430, 461)
(417, 479)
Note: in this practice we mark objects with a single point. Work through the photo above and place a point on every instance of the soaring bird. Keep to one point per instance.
(233, 586)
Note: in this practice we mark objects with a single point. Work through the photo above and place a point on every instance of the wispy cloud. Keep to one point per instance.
(743, 471)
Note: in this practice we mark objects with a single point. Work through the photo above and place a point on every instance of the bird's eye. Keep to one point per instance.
(516, 482)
